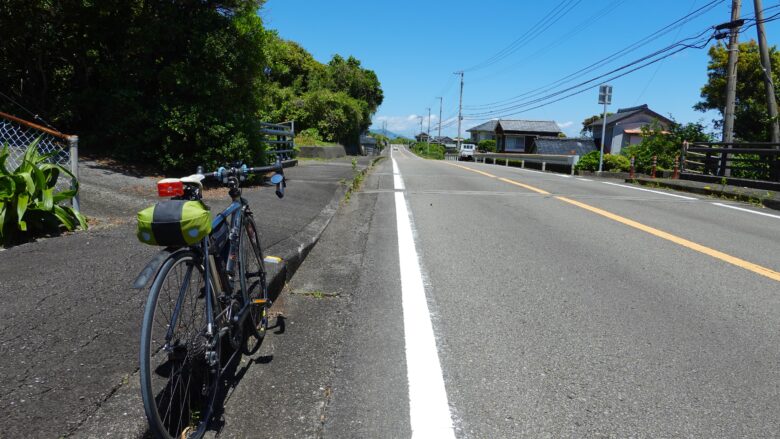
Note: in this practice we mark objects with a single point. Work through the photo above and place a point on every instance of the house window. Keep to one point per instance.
(515, 143)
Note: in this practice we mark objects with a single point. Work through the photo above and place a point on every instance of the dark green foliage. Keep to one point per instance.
(29, 206)
(588, 162)
(751, 118)
(338, 98)
(175, 83)
(666, 145)
(429, 150)
(486, 146)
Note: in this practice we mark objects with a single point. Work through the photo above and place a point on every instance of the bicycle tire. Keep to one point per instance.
(188, 384)
(253, 283)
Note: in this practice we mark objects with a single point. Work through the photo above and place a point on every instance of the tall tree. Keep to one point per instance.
(751, 122)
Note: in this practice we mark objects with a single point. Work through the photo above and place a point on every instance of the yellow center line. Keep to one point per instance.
(755, 268)
(522, 185)
(472, 170)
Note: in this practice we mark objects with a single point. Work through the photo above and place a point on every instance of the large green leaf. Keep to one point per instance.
(4, 153)
(65, 217)
(7, 187)
(21, 207)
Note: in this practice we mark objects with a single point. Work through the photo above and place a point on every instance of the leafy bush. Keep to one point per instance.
(486, 146)
(664, 144)
(588, 162)
(310, 137)
(616, 163)
(28, 204)
(612, 163)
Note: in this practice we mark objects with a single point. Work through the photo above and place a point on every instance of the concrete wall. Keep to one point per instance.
(322, 152)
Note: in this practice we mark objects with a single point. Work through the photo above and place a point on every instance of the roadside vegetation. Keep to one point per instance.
(173, 83)
(486, 146)
(427, 150)
(30, 204)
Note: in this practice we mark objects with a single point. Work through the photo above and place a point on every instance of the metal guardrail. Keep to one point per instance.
(758, 160)
(18, 134)
(543, 159)
(281, 139)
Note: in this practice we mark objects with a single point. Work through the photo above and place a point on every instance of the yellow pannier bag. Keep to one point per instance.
(174, 223)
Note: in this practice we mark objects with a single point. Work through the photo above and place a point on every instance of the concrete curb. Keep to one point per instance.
(766, 202)
(122, 415)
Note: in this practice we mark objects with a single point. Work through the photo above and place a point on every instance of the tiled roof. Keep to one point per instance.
(627, 112)
(487, 126)
(534, 126)
(565, 146)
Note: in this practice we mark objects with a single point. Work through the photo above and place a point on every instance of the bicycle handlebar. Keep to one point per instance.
(222, 173)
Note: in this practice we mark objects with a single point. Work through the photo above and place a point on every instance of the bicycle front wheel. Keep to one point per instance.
(253, 283)
(180, 360)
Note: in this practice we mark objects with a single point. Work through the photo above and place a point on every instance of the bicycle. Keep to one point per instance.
(209, 300)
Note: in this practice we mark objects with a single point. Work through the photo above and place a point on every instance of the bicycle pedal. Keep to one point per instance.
(272, 260)
(260, 302)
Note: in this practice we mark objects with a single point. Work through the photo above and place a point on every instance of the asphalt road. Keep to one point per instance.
(560, 306)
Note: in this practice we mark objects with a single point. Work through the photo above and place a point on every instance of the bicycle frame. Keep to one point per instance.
(233, 211)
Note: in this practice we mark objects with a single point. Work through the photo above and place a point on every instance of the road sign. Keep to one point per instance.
(605, 94)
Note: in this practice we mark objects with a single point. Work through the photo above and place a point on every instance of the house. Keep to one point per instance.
(519, 135)
(444, 140)
(485, 131)
(513, 135)
(562, 146)
(422, 137)
(625, 127)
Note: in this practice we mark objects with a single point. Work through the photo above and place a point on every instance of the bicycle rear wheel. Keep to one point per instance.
(179, 375)
(253, 283)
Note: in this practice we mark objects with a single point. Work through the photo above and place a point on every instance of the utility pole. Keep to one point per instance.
(441, 101)
(429, 122)
(731, 84)
(605, 97)
(460, 106)
(421, 125)
(766, 63)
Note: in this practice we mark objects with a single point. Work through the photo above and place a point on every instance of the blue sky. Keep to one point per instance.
(415, 46)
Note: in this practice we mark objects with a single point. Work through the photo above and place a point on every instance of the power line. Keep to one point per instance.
(606, 60)
(590, 87)
(552, 17)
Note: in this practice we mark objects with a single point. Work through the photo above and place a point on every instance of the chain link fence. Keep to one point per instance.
(18, 134)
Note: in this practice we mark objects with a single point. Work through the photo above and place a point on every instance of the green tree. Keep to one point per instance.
(665, 145)
(751, 117)
(174, 83)
(587, 129)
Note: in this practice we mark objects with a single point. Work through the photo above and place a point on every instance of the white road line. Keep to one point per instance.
(649, 190)
(560, 175)
(583, 179)
(398, 181)
(747, 210)
(429, 410)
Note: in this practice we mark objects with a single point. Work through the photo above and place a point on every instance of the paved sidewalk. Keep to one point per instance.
(71, 322)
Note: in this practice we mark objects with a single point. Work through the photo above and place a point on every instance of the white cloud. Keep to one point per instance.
(565, 124)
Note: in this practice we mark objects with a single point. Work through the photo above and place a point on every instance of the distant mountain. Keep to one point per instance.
(390, 134)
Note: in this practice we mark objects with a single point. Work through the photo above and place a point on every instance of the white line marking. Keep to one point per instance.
(429, 410)
(649, 190)
(747, 210)
(583, 179)
(560, 175)
(398, 181)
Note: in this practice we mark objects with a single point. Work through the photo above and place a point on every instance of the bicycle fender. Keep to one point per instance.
(151, 268)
